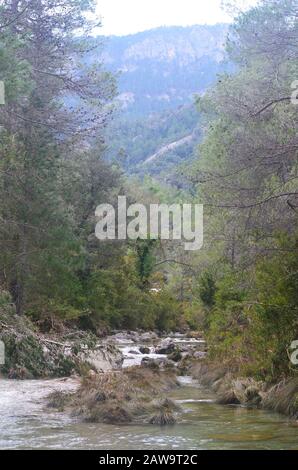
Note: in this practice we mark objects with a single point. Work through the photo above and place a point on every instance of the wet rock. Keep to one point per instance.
(158, 363)
(175, 356)
(134, 351)
(207, 373)
(149, 336)
(177, 335)
(104, 357)
(199, 354)
(122, 337)
(144, 350)
(166, 347)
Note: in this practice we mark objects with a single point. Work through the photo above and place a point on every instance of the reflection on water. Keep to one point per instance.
(26, 423)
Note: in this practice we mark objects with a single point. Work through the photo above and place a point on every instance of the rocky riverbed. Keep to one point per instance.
(166, 351)
(28, 423)
(138, 393)
(176, 388)
(30, 353)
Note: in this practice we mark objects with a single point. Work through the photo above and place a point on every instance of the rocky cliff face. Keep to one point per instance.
(185, 44)
(163, 68)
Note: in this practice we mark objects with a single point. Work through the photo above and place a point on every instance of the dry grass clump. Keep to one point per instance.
(58, 400)
(165, 413)
(246, 391)
(283, 398)
(132, 395)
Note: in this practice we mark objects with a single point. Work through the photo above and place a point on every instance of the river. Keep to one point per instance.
(26, 422)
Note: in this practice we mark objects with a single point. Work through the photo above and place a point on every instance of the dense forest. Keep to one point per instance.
(241, 289)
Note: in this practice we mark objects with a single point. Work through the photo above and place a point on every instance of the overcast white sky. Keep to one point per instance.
(121, 17)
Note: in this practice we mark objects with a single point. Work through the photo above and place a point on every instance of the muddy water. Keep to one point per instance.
(27, 424)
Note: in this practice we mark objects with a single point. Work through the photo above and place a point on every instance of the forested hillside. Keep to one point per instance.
(246, 175)
(57, 125)
(158, 73)
(155, 144)
(53, 176)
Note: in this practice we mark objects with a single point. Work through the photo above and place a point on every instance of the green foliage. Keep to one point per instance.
(146, 259)
(193, 315)
(117, 298)
(5, 300)
(254, 326)
(247, 178)
(52, 177)
(274, 317)
(48, 198)
(226, 320)
(207, 289)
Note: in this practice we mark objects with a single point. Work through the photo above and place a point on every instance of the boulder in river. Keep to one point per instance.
(166, 347)
(104, 357)
(175, 356)
(148, 336)
(162, 363)
(199, 354)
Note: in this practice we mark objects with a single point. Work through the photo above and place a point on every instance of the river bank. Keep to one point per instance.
(27, 423)
(200, 421)
(148, 358)
(31, 354)
(186, 354)
(233, 389)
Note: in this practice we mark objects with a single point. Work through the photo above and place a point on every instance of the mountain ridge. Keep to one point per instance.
(162, 68)
(159, 73)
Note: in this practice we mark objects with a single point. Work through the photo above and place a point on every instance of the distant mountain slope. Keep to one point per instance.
(168, 148)
(159, 72)
(157, 143)
(162, 68)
